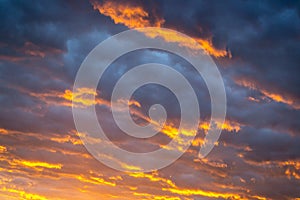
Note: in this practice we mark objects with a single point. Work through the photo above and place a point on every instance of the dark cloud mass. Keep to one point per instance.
(256, 46)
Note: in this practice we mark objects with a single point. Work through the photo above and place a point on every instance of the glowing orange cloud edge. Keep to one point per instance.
(134, 16)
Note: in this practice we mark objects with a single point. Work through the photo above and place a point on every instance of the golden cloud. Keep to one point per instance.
(35, 164)
(22, 194)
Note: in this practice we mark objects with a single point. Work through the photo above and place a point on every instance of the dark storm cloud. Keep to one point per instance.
(264, 39)
(262, 34)
(48, 23)
(265, 144)
(42, 46)
(276, 115)
(38, 34)
(151, 93)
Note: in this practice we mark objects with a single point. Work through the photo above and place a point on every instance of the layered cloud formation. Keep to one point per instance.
(256, 47)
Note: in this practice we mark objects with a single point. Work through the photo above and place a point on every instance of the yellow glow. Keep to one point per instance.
(83, 96)
(23, 194)
(68, 138)
(196, 44)
(130, 167)
(36, 164)
(153, 177)
(259, 197)
(2, 149)
(133, 188)
(115, 178)
(135, 103)
(190, 192)
(171, 131)
(156, 197)
(231, 126)
(227, 125)
(95, 180)
(197, 142)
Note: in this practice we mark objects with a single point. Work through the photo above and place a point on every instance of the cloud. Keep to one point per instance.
(273, 96)
(255, 45)
(134, 16)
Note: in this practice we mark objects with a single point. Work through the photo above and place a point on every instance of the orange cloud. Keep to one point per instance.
(51, 97)
(66, 139)
(2, 149)
(291, 168)
(84, 97)
(210, 49)
(129, 103)
(134, 16)
(172, 132)
(196, 44)
(81, 96)
(274, 96)
(214, 164)
(292, 173)
(170, 186)
(3, 131)
(227, 125)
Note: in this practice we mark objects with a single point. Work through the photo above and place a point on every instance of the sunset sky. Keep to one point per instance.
(256, 46)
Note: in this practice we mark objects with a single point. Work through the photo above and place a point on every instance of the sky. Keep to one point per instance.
(256, 47)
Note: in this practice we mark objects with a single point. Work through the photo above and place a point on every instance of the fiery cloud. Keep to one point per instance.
(22, 194)
(35, 164)
(95, 180)
(154, 177)
(227, 125)
(274, 96)
(190, 192)
(134, 16)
